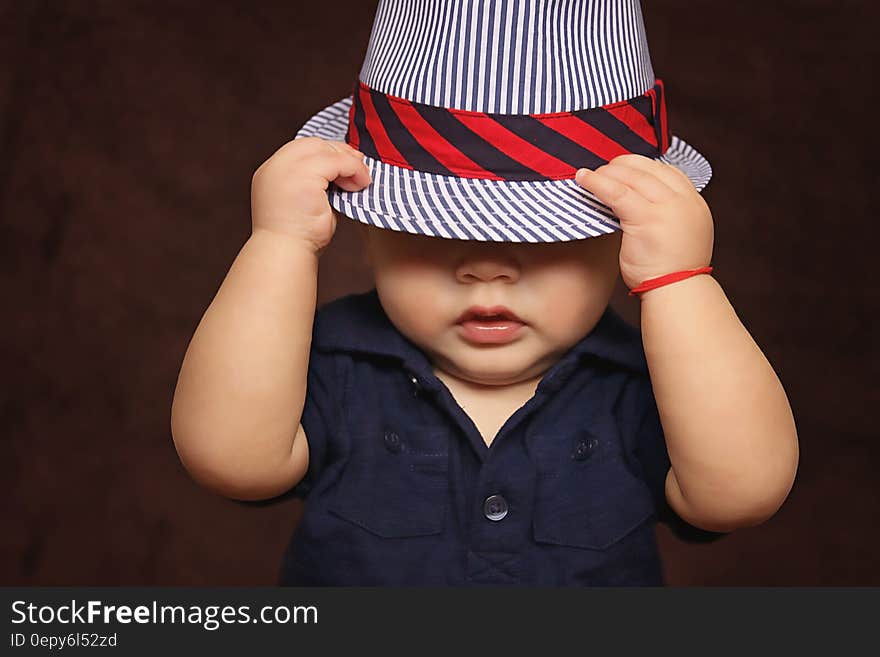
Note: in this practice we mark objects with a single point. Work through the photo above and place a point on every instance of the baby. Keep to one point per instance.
(407, 502)
(482, 416)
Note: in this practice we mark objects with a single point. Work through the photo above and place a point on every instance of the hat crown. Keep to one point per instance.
(509, 56)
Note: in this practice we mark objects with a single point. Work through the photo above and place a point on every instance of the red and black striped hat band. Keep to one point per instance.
(467, 144)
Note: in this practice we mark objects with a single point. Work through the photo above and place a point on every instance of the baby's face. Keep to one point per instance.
(559, 290)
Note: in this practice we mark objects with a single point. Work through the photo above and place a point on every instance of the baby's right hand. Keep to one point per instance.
(289, 190)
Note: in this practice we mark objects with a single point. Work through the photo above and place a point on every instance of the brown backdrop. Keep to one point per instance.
(129, 134)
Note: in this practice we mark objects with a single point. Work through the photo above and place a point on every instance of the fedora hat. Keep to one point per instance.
(475, 115)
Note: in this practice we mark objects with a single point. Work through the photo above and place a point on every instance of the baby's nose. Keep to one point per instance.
(488, 264)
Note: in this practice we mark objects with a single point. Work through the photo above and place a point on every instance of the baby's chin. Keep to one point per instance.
(492, 369)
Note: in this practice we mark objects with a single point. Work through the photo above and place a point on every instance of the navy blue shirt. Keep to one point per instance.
(402, 490)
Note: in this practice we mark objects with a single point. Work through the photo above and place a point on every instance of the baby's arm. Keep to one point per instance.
(729, 429)
(236, 412)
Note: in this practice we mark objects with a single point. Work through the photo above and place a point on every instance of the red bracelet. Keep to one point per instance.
(675, 276)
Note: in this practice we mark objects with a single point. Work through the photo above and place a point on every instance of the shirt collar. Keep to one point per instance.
(357, 323)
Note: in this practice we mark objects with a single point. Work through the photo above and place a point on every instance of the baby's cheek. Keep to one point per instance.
(413, 305)
(574, 303)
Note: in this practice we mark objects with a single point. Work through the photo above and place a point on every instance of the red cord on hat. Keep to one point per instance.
(675, 276)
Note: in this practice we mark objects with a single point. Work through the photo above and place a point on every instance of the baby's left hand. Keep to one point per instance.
(667, 226)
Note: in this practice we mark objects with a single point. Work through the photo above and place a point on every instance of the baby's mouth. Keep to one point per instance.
(488, 315)
(497, 325)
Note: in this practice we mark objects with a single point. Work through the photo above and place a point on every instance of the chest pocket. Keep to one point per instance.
(395, 484)
(586, 496)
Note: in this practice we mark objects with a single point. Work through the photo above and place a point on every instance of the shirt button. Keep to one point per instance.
(495, 507)
(584, 449)
(416, 385)
(392, 442)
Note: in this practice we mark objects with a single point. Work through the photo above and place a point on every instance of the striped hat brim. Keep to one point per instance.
(425, 203)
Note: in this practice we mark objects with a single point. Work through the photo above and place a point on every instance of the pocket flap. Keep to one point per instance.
(393, 490)
(586, 495)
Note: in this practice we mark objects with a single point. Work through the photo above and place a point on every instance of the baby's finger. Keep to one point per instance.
(336, 163)
(345, 147)
(354, 174)
(621, 198)
(671, 175)
(644, 182)
(356, 182)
